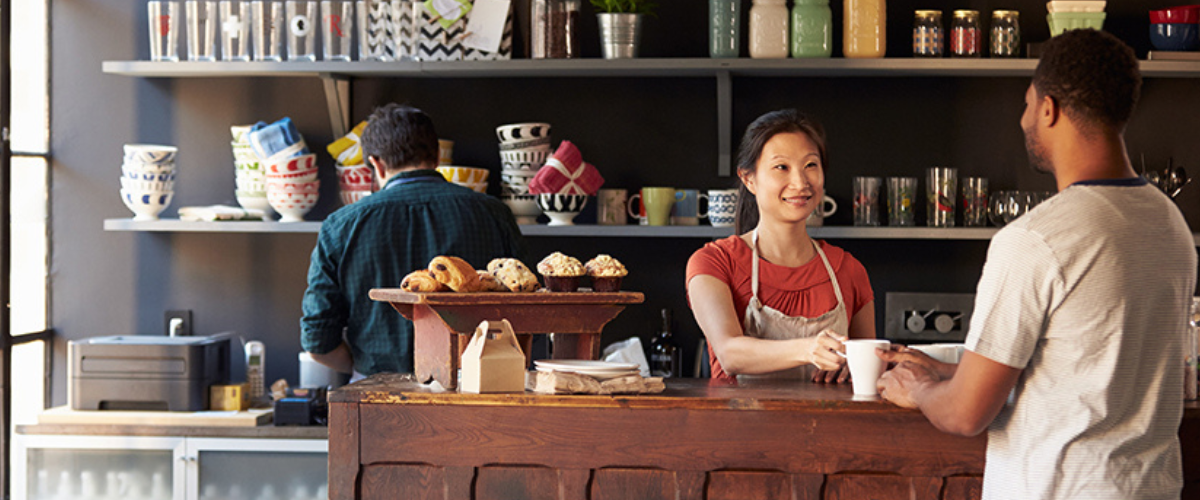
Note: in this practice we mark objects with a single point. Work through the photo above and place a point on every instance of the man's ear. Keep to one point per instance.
(1050, 113)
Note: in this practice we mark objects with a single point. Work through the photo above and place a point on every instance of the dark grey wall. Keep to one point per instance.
(637, 131)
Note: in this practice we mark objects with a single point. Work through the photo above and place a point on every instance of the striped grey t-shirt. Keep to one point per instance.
(1088, 293)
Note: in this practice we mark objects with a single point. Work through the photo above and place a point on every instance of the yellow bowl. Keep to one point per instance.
(464, 175)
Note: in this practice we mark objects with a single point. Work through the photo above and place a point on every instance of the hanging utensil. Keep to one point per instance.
(1179, 179)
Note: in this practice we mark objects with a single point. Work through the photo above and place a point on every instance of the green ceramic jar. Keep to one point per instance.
(812, 29)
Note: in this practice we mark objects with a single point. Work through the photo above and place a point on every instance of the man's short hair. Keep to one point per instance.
(400, 137)
(1092, 75)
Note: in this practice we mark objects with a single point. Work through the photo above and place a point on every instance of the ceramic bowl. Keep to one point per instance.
(1175, 37)
(301, 176)
(1075, 6)
(150, 153)
(291, 206)
(135, 167)
(351, 196)
(301, 163)
(146, 205)
(561, 208)
(445, 151)
(515, 132)
(1185, 14)
(128, 184)
(523, 159)
(516, 181)
(1063, 21)
(239, 133)
(148, 175)
(293, 187)
(251, 186)
(255, 201)
(524, 207)
(464, 175)
(355, 174)
(541, 143)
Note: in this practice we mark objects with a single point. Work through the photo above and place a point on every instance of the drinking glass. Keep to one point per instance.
(1015, 205)
(301, 14)
(337, 22)
(202, 30)
(866, 201)
(996, 207)
(1191, 350)
(975, 204)
(377, 30)
(724, 28)
(941, 188)
(235, 30)
(164, 30)
(267, 30)
(901, 193)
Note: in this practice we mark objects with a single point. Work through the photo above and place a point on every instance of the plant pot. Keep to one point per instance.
(620, 34)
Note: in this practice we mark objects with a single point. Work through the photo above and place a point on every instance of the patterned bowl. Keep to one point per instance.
(524, 207)
(146, 205)
(291, 206)
(561, 208)
(515, 132)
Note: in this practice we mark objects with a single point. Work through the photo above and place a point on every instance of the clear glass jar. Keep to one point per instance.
(769, 29)
(1006, 33)
(864, 28)
(554, 29)
(966, 36)
(928, 40)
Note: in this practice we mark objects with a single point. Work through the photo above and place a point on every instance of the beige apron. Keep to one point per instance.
(766, 323)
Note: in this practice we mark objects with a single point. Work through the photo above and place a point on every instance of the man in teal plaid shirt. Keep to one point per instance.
(375, 242)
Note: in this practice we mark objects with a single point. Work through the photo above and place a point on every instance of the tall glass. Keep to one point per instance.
(724, 27)
(941, 188)
(975, 201)
(866, 201)
(302, 34)
(164, 30)
(554, 33)
(902, 194)
(376, 30)
(268, 30)
(202, 30)
(337, 23)
(235, 30)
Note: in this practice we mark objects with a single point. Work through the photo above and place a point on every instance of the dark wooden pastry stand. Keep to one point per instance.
(444, 322)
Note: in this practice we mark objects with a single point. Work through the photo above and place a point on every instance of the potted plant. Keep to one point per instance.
(621, 25)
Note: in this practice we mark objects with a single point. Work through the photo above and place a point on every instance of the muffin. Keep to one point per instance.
(514, 275)
(489, 283)
(562, 272)
(606, 273)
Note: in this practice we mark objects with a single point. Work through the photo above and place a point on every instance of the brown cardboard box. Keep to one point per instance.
(232, 397)
(493, 361)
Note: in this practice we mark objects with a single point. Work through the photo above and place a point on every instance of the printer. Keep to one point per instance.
(145, 372)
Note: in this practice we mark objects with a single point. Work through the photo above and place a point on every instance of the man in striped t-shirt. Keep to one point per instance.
(1081, 310)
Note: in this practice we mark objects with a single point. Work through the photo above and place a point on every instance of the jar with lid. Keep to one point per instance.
(966, 36)
(769, 29)
(812, 29)
(864, 28)
(724, 27)
(927, 34)
(1006, 33)
(554, 29)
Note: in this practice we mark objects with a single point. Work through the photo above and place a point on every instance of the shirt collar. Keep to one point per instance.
(1125, 182)
(415, 175)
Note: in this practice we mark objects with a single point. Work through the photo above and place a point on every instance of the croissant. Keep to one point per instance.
(454, 273)
(422, 281)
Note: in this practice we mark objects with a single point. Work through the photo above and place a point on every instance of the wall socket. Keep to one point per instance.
(185, 329)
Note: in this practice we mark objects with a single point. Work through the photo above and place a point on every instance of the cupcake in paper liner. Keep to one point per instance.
(562, 272)
(606, 273)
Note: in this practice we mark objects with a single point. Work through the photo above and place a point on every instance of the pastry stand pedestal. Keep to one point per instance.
(444, 322)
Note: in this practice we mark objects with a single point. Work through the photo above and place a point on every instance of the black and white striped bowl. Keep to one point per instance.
(515, 132)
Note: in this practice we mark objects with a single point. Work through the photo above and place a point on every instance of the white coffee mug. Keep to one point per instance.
(865, 365)
(827, 208)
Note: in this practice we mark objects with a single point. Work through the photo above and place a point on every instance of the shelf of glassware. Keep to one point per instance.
(639, 67)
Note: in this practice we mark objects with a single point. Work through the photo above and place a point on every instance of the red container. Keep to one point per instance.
(1184, 14)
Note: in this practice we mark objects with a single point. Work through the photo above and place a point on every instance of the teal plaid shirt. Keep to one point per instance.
(375, 242)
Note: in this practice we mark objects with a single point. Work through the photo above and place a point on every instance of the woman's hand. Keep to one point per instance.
(838, 376)
(826, 351)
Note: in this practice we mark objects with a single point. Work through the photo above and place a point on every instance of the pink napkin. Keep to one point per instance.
(566, 173)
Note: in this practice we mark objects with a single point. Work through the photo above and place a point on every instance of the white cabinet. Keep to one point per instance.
(61, 467)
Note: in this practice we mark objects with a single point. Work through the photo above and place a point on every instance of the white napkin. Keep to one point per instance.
(628, 351)
(219, 212)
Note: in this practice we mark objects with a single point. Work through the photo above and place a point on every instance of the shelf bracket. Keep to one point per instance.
(337, 99)
(724, 123)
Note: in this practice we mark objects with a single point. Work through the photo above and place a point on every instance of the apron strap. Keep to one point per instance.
(837, 289)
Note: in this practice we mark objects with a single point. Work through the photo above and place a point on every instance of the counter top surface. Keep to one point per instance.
(684, 393)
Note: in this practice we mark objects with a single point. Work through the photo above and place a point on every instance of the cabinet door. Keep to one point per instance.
(97, 467)
(251, 469)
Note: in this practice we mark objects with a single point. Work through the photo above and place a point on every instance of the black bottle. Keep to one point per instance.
(665, 359)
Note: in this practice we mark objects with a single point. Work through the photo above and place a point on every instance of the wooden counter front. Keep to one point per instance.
(392, 438)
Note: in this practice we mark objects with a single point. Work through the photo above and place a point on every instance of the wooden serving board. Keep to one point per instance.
(65, 415)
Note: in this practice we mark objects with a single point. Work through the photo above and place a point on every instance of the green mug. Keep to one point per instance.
(658, 201)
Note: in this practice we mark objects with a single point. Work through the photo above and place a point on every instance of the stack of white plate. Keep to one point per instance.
(249, 176)
(524, 148)
(600, 370)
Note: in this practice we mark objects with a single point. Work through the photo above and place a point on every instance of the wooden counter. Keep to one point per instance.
(393, 438)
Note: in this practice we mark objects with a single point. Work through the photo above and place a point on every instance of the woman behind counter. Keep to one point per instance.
(772, 301)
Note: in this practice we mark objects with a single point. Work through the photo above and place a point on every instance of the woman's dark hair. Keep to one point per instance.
(400, 137)
(745, 216)
(1092, 75)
